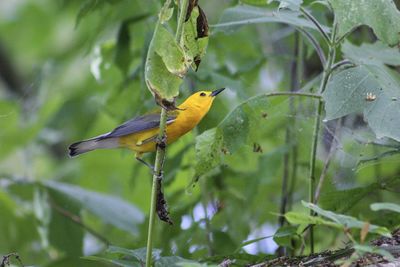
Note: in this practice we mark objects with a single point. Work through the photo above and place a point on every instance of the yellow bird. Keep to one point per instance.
(140, 134)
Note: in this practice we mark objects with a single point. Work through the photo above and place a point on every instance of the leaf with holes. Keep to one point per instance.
(381, 15)
(194, 38)
(165, 63)
(239, 127)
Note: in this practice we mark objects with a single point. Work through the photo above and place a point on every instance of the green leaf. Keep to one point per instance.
(193, 40)
(382, 16)
(290, 4)
(347, 221)
(242, 15)
(248, 242)
(110, 209)
(385, 206)
(64, 234)
(165, 64)
(255, 2)
(284, 235)
(208, 151)
(123, 55)
(88, 6)
(305, 219)
(139, 254)
(223, 243)
(115, 262)
(238, 128)
(173, 261)
(372, 54)
(347, 91)
(343, 200)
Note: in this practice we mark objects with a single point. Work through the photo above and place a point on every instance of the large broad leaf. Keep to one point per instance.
(110, 209)
(381, 15)
(347, 221)
(371, 89)
(372, 54)
(166, 63)
(241, 15)
(240, 127)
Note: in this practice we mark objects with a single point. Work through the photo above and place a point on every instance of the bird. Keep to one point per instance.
(140, 133)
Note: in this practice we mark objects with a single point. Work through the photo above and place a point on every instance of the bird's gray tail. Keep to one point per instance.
(98, 142)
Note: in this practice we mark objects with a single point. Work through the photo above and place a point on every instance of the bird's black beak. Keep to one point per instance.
(216, 92)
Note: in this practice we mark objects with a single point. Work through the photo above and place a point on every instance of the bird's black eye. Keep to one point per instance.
(202, 94)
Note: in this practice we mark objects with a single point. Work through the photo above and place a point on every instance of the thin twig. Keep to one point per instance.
(325, 77)
(289, 135)
(316, 23)
(342, 63)
(317, 96)
(315, 44)
(385, 154)
(328, 159)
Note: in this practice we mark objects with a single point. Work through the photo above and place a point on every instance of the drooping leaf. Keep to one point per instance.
(194, 38)
(373, 90)
(382, 16)
(110, 209)
(385, 206)
(165, 64)
(346, 221)
(242, 15)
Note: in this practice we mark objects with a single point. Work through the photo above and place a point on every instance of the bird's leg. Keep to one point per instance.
(151, 167)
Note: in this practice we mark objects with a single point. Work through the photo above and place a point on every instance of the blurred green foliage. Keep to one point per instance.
(75, 69)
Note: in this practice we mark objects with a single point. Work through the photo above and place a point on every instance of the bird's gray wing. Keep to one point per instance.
(138, 124)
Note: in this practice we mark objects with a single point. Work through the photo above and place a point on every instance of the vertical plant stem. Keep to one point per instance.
(325, 77)
(289, 131)
(300, 72)
(160, 153)
(289, 138)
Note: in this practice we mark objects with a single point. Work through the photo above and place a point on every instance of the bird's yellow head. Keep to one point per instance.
(201, 100)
